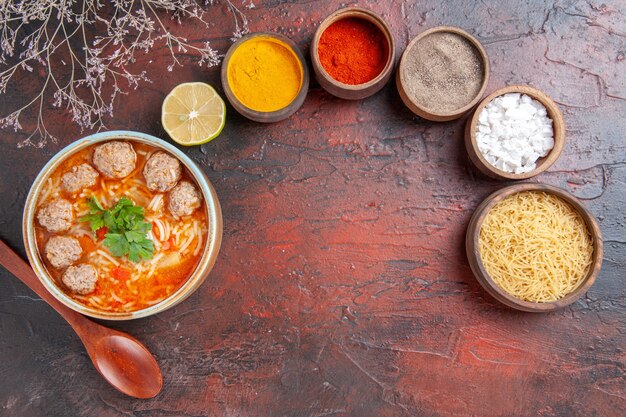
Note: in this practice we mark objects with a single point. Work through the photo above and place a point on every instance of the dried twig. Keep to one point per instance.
(86, 49)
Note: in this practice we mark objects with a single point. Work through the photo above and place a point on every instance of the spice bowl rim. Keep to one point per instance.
(353, 91)
(195, 279)
(261, 116)
(430, 114)
(543, 163)
(480, 273)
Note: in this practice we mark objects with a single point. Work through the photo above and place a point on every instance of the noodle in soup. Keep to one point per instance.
(179, 237)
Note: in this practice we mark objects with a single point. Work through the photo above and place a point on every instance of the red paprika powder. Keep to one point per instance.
(353, 51)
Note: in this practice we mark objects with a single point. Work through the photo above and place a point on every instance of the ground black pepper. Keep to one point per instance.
(442, 72)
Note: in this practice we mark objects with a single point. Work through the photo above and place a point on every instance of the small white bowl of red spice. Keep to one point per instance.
(353, 53)
(121, 225)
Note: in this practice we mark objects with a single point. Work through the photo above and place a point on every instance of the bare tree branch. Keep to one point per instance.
(86, 50)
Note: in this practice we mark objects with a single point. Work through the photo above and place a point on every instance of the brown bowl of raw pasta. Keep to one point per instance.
(534, 247)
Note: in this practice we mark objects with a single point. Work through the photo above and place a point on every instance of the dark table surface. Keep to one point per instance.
(342, 287)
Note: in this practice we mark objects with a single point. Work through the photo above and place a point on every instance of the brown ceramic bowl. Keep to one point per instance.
(558, 125)
(205, 264)
(350, 91)
(261, 116)
(473, 255)
(418, 108)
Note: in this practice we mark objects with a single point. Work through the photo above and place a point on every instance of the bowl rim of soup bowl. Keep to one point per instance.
(209, 254)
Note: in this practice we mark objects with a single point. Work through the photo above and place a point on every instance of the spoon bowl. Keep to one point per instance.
(124, 362)
(120, 358)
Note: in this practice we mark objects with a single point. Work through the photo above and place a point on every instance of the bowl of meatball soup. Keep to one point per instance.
(121, 225)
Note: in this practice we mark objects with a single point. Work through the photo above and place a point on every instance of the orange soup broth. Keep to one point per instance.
(124, 286)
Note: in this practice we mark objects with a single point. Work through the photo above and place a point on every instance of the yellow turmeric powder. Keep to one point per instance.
(265, 74)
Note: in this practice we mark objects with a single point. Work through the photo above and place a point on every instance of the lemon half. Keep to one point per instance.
(193, 114)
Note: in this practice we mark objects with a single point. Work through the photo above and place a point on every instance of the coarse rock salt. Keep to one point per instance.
(514, 131)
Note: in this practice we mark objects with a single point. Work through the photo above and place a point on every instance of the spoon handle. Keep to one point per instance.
(121, 359)
(22, 270)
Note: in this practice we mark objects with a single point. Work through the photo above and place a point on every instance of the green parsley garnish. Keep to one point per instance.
(126, 228)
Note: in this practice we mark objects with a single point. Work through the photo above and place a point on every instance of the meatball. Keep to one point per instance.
(63, 251)
(56, 216)
(162, 172)
(115, 159)
(81, 176)
(184, 199)
(80, 279)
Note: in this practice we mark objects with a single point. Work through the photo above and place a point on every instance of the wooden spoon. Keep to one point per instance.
(120, 358)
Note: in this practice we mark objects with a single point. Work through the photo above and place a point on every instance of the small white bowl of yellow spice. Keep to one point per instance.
(534, 247)
(265, 77)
